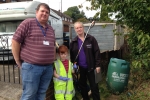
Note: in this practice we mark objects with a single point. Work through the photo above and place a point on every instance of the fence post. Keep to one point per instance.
(50, 91)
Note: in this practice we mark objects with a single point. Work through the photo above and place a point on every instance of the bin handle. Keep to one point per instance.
(124, 65)
(113, 61)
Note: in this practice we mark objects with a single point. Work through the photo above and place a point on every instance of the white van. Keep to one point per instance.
(12, 14)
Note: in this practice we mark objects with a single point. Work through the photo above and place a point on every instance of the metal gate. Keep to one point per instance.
(8, 70)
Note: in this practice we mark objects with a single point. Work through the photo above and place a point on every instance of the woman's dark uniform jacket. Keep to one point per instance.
(91, 50)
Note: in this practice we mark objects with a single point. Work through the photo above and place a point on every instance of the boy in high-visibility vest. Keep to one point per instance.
(63, 80)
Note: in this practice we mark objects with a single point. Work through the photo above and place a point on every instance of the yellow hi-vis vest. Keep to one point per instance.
(63, 89)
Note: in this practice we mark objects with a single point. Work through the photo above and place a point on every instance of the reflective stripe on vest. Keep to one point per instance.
(63, 92)
(58, 65)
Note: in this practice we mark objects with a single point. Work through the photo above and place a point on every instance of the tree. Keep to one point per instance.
(135, 15)
(84, 20)
(103, 12)
(74, 13)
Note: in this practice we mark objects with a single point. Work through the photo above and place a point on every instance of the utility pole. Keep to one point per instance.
(61, 8)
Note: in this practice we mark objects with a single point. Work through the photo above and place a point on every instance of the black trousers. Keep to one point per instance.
(84, 75)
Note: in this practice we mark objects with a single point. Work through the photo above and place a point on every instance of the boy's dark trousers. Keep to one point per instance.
(84, 75)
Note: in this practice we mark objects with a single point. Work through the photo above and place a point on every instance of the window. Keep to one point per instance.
(65, 19)
(23, 0)
(2, 0)
(62, 18)
(9, 26)
(49, 22)
(13, 0)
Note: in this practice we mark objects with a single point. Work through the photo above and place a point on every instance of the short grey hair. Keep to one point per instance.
(78, 22)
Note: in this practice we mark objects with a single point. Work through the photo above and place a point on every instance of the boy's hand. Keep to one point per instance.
(63, 78)
(75, 66)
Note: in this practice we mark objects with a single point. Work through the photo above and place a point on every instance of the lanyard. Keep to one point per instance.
(43, 32)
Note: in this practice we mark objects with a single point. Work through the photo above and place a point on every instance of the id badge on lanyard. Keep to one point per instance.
(44, 33)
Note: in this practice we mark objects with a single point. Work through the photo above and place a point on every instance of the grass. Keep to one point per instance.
(142, 92)
(104, 92)
(136, 90)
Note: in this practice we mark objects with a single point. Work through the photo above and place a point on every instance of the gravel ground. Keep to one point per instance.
(9, 91)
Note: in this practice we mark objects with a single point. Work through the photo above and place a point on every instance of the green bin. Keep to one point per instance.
(117, 75)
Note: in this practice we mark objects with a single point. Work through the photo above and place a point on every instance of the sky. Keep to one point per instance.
(56, 4)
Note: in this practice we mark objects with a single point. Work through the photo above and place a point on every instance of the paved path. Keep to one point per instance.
(9, 91)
